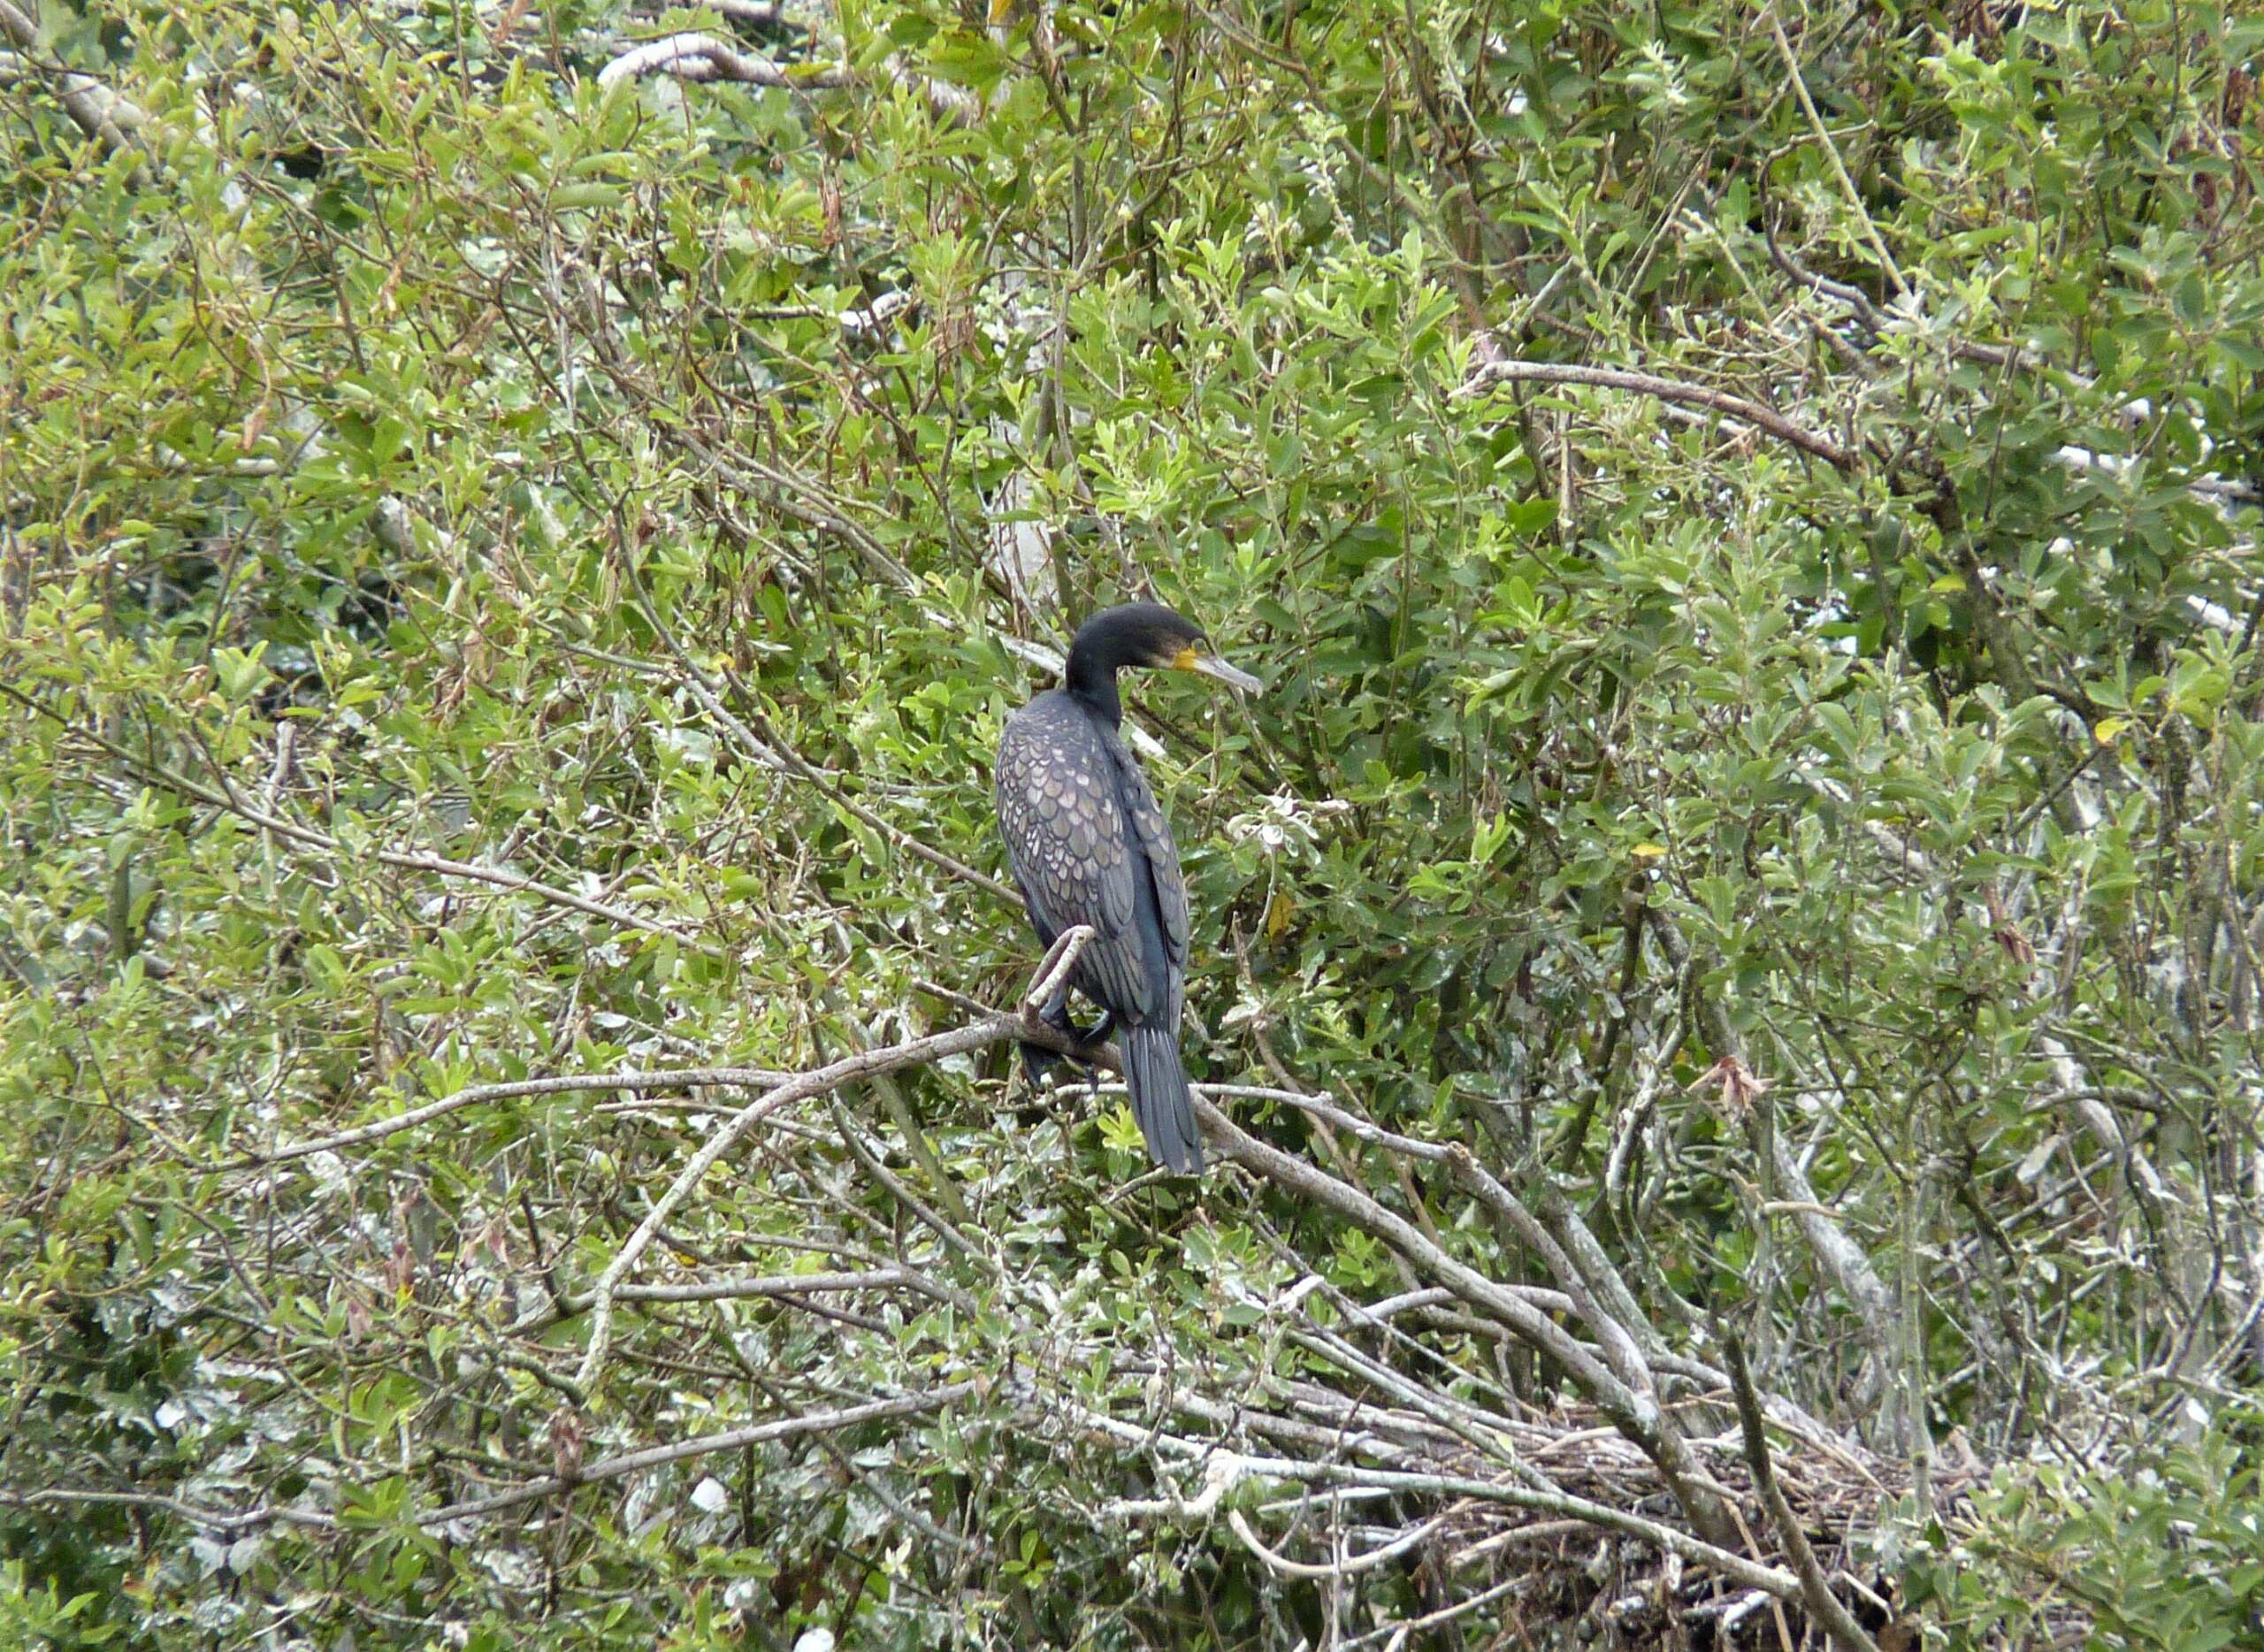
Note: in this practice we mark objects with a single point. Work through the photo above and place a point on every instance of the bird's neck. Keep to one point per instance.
(1093, 685)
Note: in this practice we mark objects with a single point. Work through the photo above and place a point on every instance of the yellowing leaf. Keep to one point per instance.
(2109, 729)
(1279, 911)
(1648, 852)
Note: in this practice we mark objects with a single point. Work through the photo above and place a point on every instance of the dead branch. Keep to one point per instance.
(1232, 1469)
(1281, 1565)
(1636, 1415)
(690, 57)
(1668, 390)
(694, 56)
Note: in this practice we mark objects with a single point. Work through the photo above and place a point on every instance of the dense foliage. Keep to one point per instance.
(519, 525)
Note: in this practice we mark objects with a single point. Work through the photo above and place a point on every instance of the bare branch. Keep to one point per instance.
(1283, 1566)
(705, 1445)
(1666, 390)
(704, 58)
(224, 797)
(1816, 1594)
(749, 10)
(1635, 1414)
(1232, 1469)
(694, 56)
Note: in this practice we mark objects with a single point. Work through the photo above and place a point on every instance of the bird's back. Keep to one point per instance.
(1089, 844)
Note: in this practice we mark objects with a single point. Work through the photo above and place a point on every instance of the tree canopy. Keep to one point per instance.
(1725, 977)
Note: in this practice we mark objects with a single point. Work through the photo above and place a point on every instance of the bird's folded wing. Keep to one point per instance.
(1154, 834)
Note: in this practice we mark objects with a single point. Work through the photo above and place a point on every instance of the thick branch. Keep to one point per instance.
(1822, 1603)
(96, 110)
(704, 58)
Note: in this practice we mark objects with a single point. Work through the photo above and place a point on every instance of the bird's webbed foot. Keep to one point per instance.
(1039, 1062)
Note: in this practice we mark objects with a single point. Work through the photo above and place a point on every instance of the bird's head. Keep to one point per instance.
(1148, 634)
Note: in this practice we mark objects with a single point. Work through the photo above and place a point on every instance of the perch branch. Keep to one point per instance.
(913, 1052)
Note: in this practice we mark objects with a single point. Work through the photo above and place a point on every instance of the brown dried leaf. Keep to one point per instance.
(1740, 1088)
(570, 1432)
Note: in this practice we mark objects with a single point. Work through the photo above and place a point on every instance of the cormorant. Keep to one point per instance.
(1088, 844)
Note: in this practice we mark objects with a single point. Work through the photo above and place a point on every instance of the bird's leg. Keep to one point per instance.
(1090, 1040)
(1038, 1060)
(1091, 1037)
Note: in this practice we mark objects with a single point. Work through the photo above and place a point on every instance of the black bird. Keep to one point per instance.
(1088, 844)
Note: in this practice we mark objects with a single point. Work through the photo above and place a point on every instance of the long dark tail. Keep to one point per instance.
(1160, 1100)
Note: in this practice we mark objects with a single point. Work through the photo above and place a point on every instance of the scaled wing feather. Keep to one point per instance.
(1068, 843)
